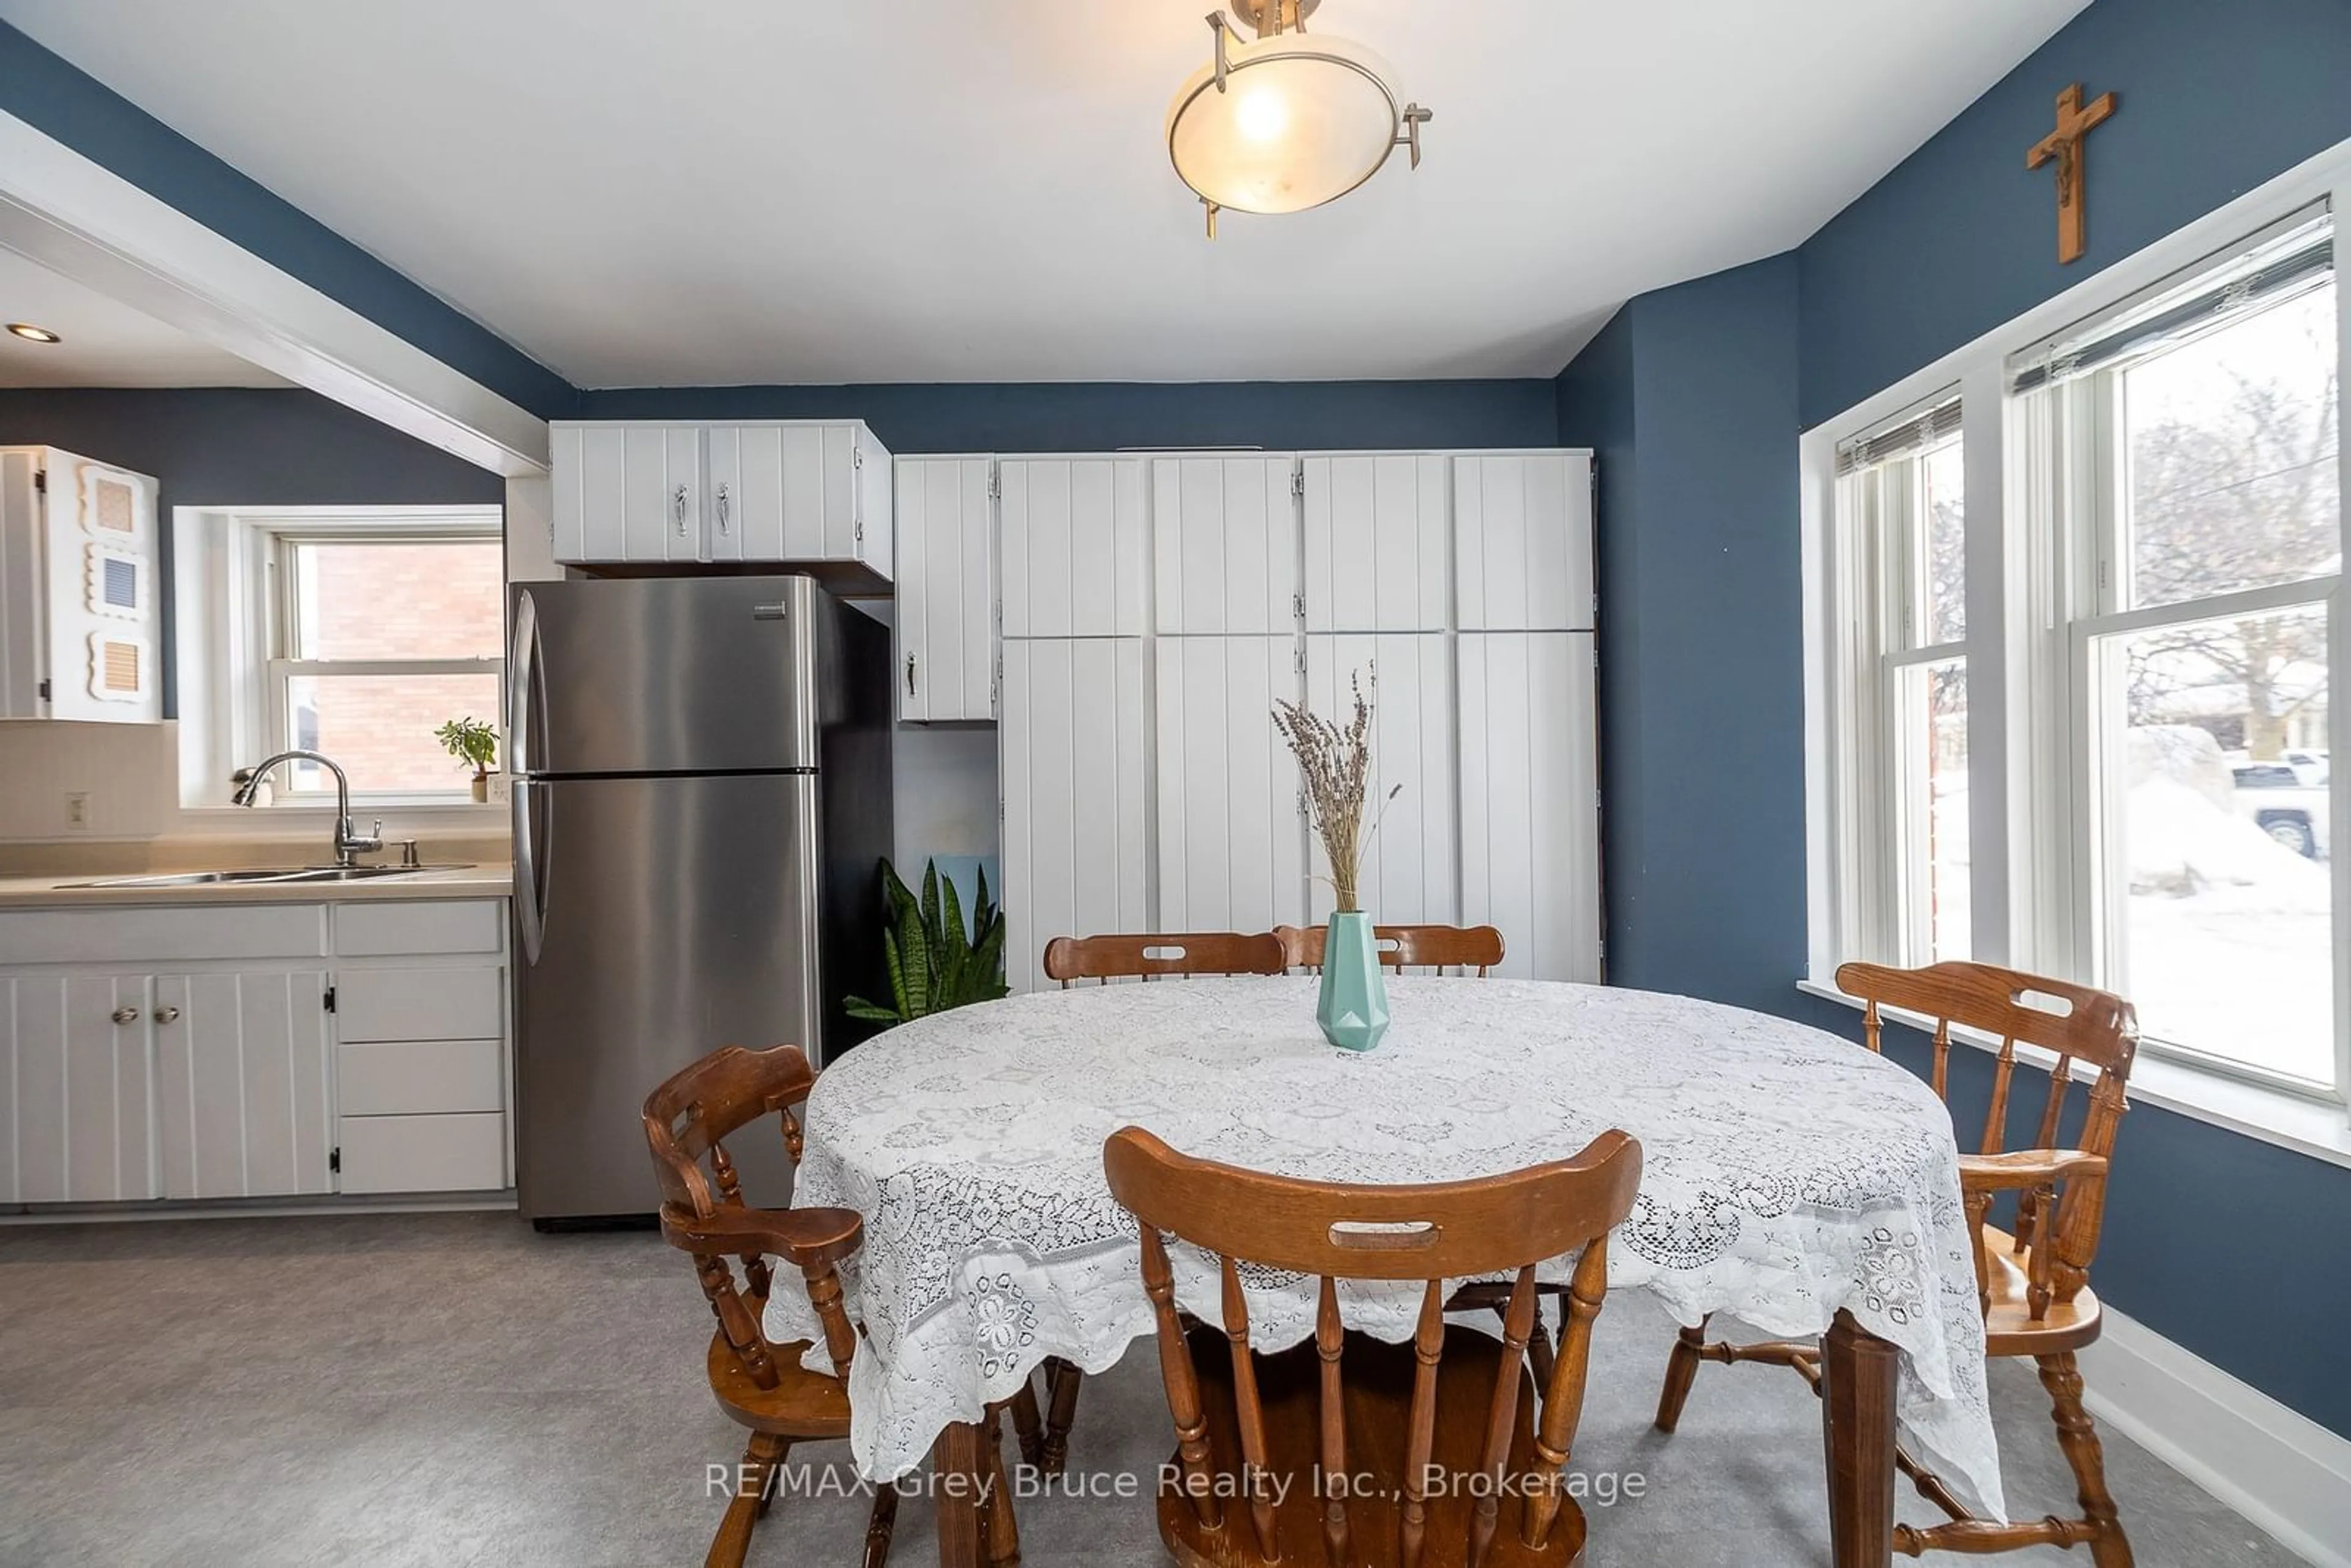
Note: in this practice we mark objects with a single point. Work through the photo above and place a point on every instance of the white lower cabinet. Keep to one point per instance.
(244, 1107)
(77, 1061)
(1073, 793)
(1529, 794)
(1232, 828)
(1410, 873)
(286, 1051)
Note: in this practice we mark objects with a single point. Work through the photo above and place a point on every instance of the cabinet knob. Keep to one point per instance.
(167, 1015)
(126, 1015)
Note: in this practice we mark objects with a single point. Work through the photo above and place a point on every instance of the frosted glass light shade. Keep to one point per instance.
(1303, 120)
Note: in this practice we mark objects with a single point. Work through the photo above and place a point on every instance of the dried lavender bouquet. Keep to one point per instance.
(1335, 761)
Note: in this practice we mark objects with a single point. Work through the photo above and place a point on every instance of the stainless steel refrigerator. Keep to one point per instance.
(701, 801)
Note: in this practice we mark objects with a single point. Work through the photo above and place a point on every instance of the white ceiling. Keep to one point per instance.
(711, 192)
(104, 344)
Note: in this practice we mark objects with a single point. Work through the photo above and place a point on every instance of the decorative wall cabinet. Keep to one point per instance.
(780, 492)
(1073, 759)
(946, 589)
(80, 616)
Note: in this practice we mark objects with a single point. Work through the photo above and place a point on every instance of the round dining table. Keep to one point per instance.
(1790, 1179)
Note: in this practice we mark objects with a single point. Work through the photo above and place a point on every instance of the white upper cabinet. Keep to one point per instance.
(1410, 874)
(1530, 800)
(1375, 543)
(1225, 535)
(947, 600)
(1232, 829)
(80, 616)
(1074, 791)
(795, 492)
(1522, 536)
(788, 492)
(1073, 546)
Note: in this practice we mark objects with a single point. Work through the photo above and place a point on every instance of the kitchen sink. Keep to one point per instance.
(246, 877)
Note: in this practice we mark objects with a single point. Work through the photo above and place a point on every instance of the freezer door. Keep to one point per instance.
(708, 675)
(656, 920)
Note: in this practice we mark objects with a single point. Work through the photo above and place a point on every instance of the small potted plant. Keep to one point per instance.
(475, 745)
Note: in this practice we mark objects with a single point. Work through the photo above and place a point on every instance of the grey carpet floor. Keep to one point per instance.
(457, 1389)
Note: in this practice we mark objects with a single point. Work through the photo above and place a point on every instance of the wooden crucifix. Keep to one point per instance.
(2064, 145)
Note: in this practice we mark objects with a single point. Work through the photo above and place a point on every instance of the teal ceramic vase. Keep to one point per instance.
(1354, 1006)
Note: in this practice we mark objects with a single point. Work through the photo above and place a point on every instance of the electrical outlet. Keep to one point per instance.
(77, 811)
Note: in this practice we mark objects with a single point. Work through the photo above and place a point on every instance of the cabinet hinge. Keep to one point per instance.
(329, 999)
(994, 486)
(1298, 481)
(44, 689)
(335, 1159)
(1298, 606)
(40, 481)
(1298, 660)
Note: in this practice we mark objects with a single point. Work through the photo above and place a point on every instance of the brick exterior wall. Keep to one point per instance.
(397, 602)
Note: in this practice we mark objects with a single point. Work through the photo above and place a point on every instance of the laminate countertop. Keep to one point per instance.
(493, 879)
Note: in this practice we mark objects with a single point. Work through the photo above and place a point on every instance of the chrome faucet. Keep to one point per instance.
(348, 843)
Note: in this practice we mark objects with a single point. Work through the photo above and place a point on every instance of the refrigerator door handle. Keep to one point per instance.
(532, 849)
(526, 701)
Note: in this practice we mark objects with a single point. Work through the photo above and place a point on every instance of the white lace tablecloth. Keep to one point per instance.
(1787, 1174)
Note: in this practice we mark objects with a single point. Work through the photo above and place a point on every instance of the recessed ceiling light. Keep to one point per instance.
(33, 334)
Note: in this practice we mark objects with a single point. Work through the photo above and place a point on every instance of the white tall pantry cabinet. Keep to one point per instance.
(1152, 607)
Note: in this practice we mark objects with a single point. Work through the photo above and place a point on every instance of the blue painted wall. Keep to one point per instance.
(40, 88)
(1688, 397)
(1101, 416)
(243, 446)
(2214, 99)
(2234, 1249)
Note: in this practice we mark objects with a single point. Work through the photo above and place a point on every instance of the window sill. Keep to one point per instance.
(2273, 1116)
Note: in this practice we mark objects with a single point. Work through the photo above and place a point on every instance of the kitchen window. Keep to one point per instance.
(379, 640)
(2189, 519)
(2078, 719)
(1901, 507)
(356, 632)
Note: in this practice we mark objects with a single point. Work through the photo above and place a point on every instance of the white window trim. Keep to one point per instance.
(228, 682)
(2023, 886)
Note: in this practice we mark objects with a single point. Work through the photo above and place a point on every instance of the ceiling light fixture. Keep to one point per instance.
(33, 334)
(1285, 122)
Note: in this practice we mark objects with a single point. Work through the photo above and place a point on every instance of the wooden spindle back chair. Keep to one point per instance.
(1433, 948)
(704, 1213)
(1147, 958)
(1384, 1415)
(2033, 1285)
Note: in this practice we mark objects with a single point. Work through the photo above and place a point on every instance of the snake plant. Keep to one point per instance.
(933, 965)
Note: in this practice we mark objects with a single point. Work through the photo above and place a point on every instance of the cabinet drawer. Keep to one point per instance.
(418, 1004)
(423, 1153)
(455, 926)
(405, 1077)
(147, 936)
